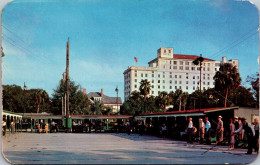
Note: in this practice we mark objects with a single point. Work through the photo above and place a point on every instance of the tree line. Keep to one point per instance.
(227, 92)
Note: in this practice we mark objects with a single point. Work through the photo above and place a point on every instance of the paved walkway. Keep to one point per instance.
(61, 148)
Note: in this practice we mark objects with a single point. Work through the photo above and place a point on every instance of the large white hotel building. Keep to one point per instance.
(170, 71)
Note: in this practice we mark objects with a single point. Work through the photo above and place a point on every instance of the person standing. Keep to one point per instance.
(256, 128)
(236, 127)
(201, 130)
(231, 134)
(46, 128)
(240, 133)
(190, 130)
(3, 127)
(220, 129)
(164, 130)
(207, 131)
(250, 133)
(128, 127)
(12, 127)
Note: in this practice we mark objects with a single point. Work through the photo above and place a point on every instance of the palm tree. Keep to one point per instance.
(178, 97)
(185, 96)
(145, 88)
(164, 99)
(40, 96)
(227, 78)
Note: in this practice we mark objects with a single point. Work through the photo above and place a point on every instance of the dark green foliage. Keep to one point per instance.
(227, 78)
(78, 102)
(16, 99)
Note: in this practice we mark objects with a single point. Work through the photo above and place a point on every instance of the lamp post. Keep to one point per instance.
(198, 61)
(116, 98)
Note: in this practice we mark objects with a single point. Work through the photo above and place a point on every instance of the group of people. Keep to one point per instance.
(238, 130)
(46, 127)
(204, 131)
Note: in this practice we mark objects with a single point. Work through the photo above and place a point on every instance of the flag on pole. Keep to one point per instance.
(135, 59)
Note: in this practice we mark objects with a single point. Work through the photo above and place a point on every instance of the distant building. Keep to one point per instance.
(170, 71)
(113, 102)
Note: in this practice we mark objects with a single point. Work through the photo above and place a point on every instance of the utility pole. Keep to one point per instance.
(199, 60)
(67, 86)
(116, 98)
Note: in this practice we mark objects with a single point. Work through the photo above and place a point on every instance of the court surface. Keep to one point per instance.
(113, 148)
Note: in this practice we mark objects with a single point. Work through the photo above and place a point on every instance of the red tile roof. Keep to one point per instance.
(190, 57)
(189, 111)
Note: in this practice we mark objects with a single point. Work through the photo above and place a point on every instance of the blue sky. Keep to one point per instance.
(106, 35)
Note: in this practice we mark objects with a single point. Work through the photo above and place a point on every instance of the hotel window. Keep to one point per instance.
(175, 76)
(203, 82)
(170, 67)
(152, 81)
(170, 87)
(198, 68)
(164, 51)
(193, 88)
(170, 81)
(180, 82)
(187, 68)
(193, 68)
(170, 76)
(193, 82)
(170, 62)
(208, 69)
(179, 76)
(158, 75)
(175, 67)
(158, 86)
(181, 62)
(152, 92)
(169, 51)
(216, 69)
(187, 87)
(204, 88)
(193, 77)
(135, 80)
(187, 82)
(135, 74)
(198, 77)
(163, 81)
(135, 86)
(163, 75)
(186, 63)
(145, 75)
(174, 62)
(179, 87)
(152, 86)
(158, 81)
(142, 75)
(163, 87)
(175, 82)
(152, 75)
(208, 83)
(175, 87)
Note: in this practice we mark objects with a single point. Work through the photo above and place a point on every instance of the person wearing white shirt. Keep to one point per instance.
(190, 130)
